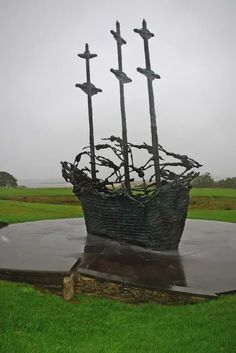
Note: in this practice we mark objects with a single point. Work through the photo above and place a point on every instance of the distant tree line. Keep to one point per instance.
(7, 180)
(206, 181)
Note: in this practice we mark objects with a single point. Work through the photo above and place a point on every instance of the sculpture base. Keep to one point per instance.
(45, 252)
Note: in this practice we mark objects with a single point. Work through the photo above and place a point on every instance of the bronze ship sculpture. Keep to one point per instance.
(149, 213)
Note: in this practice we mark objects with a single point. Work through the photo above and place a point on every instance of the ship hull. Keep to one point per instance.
(155, 222)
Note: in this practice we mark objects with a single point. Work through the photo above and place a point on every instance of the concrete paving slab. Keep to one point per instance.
(42, 246)
(205, 261)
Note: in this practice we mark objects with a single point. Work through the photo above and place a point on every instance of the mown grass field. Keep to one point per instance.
(17, 212)
(36, 322)
(213, 204)
(214, 192)
(24, 205)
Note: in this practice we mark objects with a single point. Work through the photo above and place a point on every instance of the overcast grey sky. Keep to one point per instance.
(43, 117)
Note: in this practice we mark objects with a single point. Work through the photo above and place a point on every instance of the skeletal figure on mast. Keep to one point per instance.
(146, 35)
(90, 90)
(122, 77)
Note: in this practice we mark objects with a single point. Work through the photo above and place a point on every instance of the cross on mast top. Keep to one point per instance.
(150, 75)
(90, 90)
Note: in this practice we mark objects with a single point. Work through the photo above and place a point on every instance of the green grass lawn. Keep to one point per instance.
(34, 322)
(213, 215)
(213, 192)
(17, 212)
(24, 205)
(4, 192)
(213, 204)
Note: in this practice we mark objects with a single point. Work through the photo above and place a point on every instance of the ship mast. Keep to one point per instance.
(122, 77)
(90, 90)
(146, 35)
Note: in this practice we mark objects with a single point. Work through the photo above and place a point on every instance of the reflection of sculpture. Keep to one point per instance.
(133, 265)
(152, 213)
(3, 224)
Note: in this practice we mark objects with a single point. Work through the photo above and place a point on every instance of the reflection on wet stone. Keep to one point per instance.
(133, 264)
(3, 224)
(39, 252)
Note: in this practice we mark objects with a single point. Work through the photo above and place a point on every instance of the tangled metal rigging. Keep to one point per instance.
(114, 182)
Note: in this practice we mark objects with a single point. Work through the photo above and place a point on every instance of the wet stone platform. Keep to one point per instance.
(45, 252)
